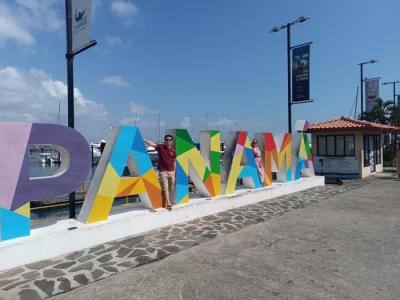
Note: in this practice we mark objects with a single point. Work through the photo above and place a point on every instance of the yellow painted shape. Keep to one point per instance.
(194, 156)
(109, 183)
(101, 208)
(24, 210)
(137, 186)
(216, 181)
(151, 177)
(285, 153)
(184, 199)
(247, 143)
(234, 173)
(302, 150)
(215, 142)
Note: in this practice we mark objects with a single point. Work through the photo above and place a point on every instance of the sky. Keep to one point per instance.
(180, 60)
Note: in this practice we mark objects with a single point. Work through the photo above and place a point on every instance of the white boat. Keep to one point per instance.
(45, 157)
(96, 149)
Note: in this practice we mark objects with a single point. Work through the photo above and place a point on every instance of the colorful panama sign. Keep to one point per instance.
(289, 156)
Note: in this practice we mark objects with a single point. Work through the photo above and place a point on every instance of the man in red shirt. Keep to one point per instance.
(166, 168)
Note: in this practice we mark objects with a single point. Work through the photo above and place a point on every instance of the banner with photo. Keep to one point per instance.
(371, 92)
(81, 23)
(301, 73)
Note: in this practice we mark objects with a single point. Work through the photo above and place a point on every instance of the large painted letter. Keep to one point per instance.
(204, 171)
(124, 147)
(18, 188)
(239, 163)
(276, 160)
(302, 158)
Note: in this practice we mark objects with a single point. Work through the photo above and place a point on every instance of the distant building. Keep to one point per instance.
(348, 148)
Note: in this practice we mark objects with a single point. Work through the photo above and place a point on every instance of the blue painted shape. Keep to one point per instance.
(299, 167)
(289, 174)
(122, 148)
(140, 154)
(250, 170)
(182, 183)
(181, 192)
(13, 225)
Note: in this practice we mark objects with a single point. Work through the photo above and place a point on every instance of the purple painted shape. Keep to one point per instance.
(13, 143)
(47, 188)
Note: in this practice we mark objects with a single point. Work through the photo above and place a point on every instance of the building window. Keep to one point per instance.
(349, 146)
(340, 145)
(335, 145)
(372, 150)
(321, 145)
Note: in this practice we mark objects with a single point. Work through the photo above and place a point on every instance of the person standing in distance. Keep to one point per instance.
(166, 167)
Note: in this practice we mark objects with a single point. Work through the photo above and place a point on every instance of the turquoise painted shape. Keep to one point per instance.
(250, 170)
(122, 148)
(13, 225)
(130, 140)
(289, 174)
(182, 183)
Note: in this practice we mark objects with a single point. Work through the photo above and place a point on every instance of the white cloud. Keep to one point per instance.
(147, 119)
(10, 29)
(186, 123)
(223, 123)
(17, 22)
(124, 8)
(115, 81)
(33, 96)
(113, 41)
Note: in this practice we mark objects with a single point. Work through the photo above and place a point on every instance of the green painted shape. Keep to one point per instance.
(215, 158)
(183, 142)
(206, 174)
(306, 144)
(214, 132)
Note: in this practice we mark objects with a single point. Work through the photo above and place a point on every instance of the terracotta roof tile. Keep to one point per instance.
(351, 124)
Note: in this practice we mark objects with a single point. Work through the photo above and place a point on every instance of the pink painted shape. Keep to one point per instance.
(13, 142)
(238, 150)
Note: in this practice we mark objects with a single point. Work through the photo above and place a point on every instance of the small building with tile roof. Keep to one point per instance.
(348, 148)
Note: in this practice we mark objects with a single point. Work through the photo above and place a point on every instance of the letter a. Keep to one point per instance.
(124, 147)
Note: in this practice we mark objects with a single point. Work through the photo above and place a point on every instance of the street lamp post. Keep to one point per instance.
(394, 105)
(70, 81)
(276, 29)
(362, 82)
(394, 90)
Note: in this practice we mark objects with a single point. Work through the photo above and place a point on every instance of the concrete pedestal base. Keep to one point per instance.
(70, 235)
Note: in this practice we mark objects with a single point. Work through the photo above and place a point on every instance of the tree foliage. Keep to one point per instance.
(384, 112)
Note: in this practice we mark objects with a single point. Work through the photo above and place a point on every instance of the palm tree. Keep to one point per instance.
(394, 115)
(380, 113)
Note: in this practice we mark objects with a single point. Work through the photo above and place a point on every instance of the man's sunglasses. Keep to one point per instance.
(168, 140)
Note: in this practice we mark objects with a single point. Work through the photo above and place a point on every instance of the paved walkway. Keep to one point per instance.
(64, 273)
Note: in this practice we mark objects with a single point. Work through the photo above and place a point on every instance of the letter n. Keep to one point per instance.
(204, 173)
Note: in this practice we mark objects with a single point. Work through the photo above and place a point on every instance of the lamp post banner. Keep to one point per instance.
(372, 93)
(81, 23)
(301, 73)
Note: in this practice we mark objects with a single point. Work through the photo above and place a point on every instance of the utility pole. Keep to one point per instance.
(289, 48)
(372, 61)
(70, 82)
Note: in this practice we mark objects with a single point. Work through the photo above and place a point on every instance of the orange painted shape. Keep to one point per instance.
(209, 185)
(154, 194)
